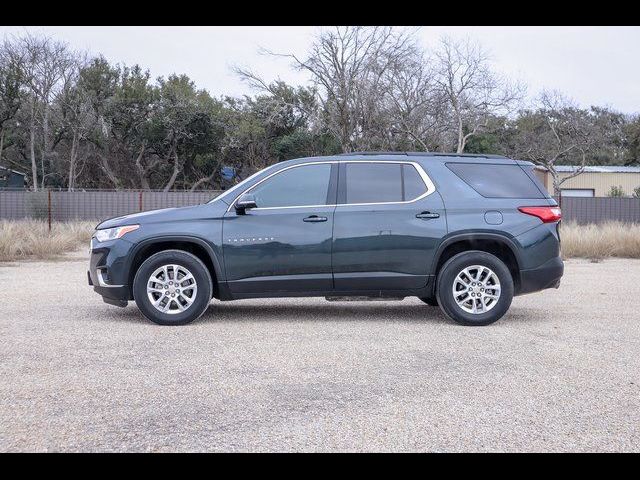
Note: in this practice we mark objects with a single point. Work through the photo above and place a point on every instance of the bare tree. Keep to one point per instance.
(474, 93)
(556, 131)
(416, 108)
(45, 63)
(10, 94)
(74, 118)
(348, 66)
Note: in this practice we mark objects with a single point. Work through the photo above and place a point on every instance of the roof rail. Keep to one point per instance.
(427, 154)
(372, 153)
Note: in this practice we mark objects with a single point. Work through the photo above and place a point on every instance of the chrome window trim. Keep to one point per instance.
(425, 178)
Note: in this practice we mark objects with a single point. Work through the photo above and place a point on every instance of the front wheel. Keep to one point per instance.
(431, 301)
(172, 287)
(474, 288)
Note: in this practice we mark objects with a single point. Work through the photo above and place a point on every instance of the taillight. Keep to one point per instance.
(546, 214)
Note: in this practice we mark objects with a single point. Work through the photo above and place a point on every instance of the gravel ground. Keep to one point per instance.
(561, 371)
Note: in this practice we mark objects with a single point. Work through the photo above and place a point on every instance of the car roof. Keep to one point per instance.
(411, 156)
(423, 154)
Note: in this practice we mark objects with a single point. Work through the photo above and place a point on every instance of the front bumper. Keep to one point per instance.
(545, 276)
(108, 270)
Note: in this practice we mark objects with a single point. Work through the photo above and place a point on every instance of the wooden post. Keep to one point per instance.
(140, 201)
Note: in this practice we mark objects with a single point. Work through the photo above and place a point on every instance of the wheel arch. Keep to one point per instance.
(496, 244)
(194, 245)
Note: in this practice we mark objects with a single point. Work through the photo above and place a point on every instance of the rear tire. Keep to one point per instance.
(172, 287)
(474, 288)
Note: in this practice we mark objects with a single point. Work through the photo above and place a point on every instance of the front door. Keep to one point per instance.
(283, 245)
(388, 223)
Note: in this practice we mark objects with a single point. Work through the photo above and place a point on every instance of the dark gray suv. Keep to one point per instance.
(465, 232)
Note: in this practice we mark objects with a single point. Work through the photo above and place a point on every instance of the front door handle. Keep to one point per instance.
(427, 215)
(314, 219)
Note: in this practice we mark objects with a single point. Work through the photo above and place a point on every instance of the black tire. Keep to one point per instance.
(431, 301)
(448, 274)
(183, 259)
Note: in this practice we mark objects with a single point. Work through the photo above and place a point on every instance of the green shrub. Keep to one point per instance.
(616, 191)
(37, 204)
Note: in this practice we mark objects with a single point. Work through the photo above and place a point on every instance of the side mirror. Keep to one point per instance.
(245, 202)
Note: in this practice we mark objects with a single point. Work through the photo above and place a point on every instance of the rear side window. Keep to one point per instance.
(412, 181)
(496, 181)
(382, 182)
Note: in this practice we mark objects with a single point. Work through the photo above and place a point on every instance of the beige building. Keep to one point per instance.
(594, 181)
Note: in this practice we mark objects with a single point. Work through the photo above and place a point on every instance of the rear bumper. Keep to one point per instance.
(545, 276)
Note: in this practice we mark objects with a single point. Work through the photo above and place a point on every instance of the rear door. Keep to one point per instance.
(388, 222)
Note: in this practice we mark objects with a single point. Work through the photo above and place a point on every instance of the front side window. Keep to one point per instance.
(297, 186)
(382, 182)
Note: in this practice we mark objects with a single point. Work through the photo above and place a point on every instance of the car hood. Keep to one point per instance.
(204, 211)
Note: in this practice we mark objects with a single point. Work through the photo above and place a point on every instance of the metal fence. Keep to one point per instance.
(95, 205)
(585, 210)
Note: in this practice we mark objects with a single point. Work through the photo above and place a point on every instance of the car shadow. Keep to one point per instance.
(329, 312)
(271, 311)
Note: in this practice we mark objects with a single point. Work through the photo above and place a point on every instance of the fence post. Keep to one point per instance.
(140, 201)
(49, 207)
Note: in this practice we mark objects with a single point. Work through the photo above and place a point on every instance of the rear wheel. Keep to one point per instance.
(474, 288)
(172, 287)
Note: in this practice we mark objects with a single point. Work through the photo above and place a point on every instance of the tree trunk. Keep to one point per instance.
(142, 171)
(72, 161)
(556, 183)
(176, 171)
(32, 149)
(45, 141)
(144, 182)
(461, 139)
(104, 165)
(1, 142)
(200, 182)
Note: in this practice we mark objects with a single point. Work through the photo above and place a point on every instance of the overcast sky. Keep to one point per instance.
(592, 65)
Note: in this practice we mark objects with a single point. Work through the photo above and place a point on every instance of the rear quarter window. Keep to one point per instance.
(497, 181)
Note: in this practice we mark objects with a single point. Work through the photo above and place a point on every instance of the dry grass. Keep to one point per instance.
(31, 239)
(613, 239)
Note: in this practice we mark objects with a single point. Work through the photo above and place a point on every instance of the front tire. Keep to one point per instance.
(172, 287)
(431, 301)
(474, 288)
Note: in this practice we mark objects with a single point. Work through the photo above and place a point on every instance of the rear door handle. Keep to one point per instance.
(428, 215)
(314, 219)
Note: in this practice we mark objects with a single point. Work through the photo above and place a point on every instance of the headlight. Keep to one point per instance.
(113, 233)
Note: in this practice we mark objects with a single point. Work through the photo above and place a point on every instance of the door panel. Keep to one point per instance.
(283, 245)
(386, 246)
(276, 250)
